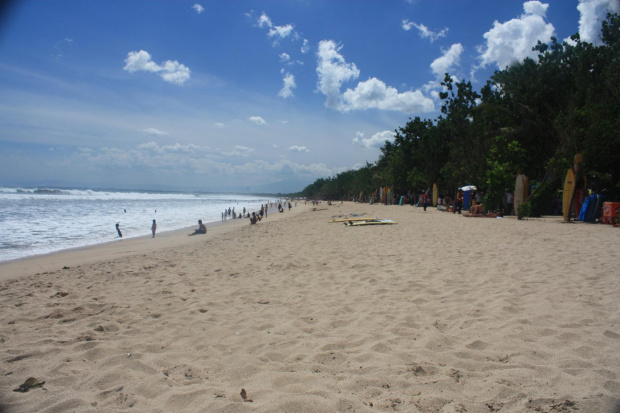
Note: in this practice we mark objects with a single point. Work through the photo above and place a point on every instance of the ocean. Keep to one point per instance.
(42, 220)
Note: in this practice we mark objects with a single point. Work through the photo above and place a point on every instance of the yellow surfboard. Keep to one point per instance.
(435, 194)
(569, 190)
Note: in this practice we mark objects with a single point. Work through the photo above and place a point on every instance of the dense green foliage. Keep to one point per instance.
(534, 116)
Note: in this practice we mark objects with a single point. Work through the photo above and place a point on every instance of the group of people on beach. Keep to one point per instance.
(254, 217)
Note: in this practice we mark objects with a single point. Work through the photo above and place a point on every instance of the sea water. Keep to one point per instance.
(43, 220)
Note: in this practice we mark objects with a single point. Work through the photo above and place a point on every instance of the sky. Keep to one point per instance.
(248, 95)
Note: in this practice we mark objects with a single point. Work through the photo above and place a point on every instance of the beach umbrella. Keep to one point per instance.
(469, 188)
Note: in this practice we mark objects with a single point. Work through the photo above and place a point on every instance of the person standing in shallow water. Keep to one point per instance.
(154, 228)
(118, 229)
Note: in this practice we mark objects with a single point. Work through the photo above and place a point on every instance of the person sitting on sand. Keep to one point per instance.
(253, 219)
(477, 209)
(202, 229)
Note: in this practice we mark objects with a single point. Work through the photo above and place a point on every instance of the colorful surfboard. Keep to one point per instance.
(569, 190)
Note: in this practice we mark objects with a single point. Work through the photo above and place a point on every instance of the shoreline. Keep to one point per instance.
(117, 248)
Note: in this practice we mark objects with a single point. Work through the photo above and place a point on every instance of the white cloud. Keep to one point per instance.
(424, 31)
(177, 147)
(199, 9)
(171, 71)
(305, 46)
(284, 57)
(375, 141)
(513, 40)
(333, 70)
(450, 58)
(264, 21)
(154, 131)
(276, 32)
(289, 85)
(219, 124)
(298, 149)
(280, 31)
(239, 150)
(375, 94)
(593, 13)
(257, 119)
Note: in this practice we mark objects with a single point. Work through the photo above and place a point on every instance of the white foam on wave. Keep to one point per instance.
(43, 220)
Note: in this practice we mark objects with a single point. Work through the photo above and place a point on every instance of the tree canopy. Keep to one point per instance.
(534, 116)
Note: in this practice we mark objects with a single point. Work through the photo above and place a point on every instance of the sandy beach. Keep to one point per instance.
(438, 313)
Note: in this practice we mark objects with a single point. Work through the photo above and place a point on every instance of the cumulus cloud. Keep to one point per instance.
(154, 131)
(298, 149)
(513, 40)
(284, 57)
(593, 13)
(374, 93)
(264, 21)
(424, 31)
(281, 32)
(276, 32)
(170, 71)
(375, 141)
(289, 85)
(257, 119)
(333, 71)
(448, 60)
(305, 46)
(198, 8)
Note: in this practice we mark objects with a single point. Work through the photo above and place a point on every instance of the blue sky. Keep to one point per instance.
(223, 95)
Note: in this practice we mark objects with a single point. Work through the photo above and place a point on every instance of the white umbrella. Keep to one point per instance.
(469, 188)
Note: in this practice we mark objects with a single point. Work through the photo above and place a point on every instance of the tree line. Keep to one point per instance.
(532, 117)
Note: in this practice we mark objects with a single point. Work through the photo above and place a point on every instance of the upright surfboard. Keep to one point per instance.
(435, 194)
(519, 194)
(569, 190)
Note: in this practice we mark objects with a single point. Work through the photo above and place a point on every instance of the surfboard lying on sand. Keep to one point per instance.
(370, 222)
(353, 219)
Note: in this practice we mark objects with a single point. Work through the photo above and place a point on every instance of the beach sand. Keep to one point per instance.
(439, 313)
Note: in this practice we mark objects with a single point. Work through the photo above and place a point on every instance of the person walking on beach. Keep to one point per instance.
(458, 202)
(118, 229)
(154, 228)
(425, 199)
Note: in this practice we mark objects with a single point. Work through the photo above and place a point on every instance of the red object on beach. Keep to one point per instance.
(610, 212)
